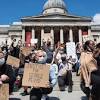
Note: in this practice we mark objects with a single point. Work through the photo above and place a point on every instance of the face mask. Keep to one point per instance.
(41, 61)
(2, 61)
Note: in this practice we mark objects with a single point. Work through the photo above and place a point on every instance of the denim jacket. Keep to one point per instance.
(52, 76)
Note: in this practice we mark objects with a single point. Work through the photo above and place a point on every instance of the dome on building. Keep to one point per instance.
(54, 5)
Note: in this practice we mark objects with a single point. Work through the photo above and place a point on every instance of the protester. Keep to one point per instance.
(4, 49)
(49, 52)
(17, 48)
(88, 65)
(6, 73)
(95, 75)
(64, 72)
(12, 49)
(15, 51)
(25, 59)
(41, 93)
(57, 54)
(64, 76)
(40, 57)
(79, 49)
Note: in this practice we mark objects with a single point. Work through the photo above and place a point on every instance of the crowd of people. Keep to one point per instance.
(86, 64)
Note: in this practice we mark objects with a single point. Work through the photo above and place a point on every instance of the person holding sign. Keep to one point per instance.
(41, 93)
(6, 73)
(40, 57)
(27, 59)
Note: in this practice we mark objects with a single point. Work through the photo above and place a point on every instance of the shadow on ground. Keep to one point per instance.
(53, 98)
(14, 99)
(84, 98)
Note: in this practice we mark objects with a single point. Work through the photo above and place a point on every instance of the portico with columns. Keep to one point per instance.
(55, 24)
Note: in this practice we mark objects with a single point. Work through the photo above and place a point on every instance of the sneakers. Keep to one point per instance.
(24, 93)
(69, 89)
(62, 88)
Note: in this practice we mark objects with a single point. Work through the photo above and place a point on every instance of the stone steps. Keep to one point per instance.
(76, 83)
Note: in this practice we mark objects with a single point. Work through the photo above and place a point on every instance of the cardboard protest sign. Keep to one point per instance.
(4, 92)
(36, 75)
(71, 49)
(26, 51)
(13, 61)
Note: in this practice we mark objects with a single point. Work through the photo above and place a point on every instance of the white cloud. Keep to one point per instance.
(96, 18)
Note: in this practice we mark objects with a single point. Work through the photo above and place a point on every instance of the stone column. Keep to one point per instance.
(52, 36)
(71, 34)
(42, 33)
(98, 39)
(61, 36)
(89, 32)
(23, 35)
(33, 33)
(80, 35)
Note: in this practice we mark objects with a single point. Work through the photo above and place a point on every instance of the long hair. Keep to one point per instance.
(85, 46)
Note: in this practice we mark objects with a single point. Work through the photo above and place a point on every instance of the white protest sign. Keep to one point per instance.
(33, 41)
(71, 49)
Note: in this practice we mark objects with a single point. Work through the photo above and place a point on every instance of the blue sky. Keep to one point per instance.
(13, 10)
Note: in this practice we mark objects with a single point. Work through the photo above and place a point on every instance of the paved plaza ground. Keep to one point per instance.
(77, 94)
(55, 95)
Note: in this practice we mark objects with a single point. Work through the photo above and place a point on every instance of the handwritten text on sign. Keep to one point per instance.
(36, 75)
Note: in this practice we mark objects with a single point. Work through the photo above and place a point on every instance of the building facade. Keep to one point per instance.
(54, 24)
(95, 32)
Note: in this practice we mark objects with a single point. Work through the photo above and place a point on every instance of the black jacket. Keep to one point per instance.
(7, 70)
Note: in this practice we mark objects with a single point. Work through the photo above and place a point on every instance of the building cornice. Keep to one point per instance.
(56, 24)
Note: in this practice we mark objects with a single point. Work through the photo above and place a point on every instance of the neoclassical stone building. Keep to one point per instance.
(95, 32)
(55, 23)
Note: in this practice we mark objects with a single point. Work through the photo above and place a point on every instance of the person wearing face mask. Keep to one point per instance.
(41, 57)
(6, 73)
(41, 93)
(64, 75)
